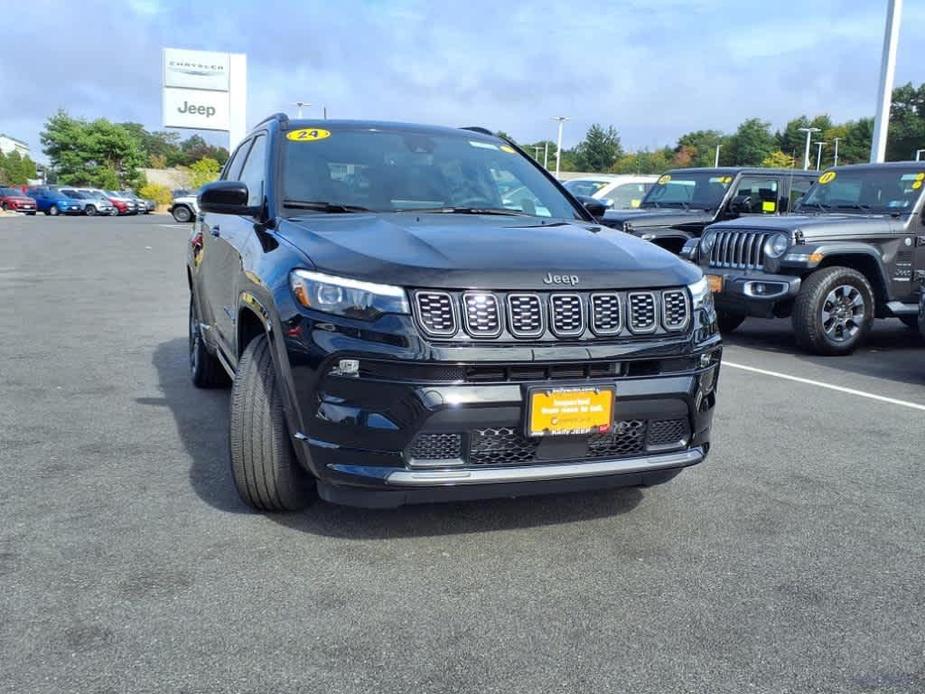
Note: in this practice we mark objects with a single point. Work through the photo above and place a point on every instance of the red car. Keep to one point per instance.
(13, 200)
(120, 205)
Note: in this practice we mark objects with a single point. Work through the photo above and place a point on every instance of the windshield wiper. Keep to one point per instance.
(468, 210)
(854, 206)
(323, 206)
(822, 208)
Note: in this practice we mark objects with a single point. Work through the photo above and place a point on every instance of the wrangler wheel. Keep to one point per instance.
(265, 471)
(834, 311)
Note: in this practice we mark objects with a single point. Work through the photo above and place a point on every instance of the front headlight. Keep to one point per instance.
(776, 245)
(701, 295)
(706, 244)
(347, 297)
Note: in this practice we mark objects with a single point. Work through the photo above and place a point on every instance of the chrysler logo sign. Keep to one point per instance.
(195, 69)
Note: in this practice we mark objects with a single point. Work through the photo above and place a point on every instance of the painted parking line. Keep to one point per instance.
(176, 226)
(827, 386)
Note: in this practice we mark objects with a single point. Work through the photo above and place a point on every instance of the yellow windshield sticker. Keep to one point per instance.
(635, 202)
(916, 185)
(827, 177)
(507, 148)
(662, 180)
(768, 206)
(308, 134)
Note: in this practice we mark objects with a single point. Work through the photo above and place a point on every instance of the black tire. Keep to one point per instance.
(90, 211)
(182, 214)
(53, 211)
(911, 321)
(263, 464)
(206, 371)
(728, 322)
(5, 207)
(849, 298)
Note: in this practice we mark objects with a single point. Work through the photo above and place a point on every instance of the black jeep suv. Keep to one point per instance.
(855, 250)
(684, 201)
(415, 313)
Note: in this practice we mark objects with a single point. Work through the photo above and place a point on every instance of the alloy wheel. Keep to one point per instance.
(842, 313)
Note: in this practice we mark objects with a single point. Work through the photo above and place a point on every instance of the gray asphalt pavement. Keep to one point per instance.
(791, 561)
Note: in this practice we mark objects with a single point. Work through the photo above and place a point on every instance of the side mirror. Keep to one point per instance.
(596, 207)
(225, 197)
(741, 204)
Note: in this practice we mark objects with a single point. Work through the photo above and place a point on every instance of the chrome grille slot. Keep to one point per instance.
(743, 250)
(606, 314)
(642, 312)
(675, 311)
(482, 315)
(525, 315)
(436, 313)
(568, 316)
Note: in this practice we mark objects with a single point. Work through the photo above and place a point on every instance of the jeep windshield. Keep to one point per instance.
(683, 190)
(865, 191)
(342, 170)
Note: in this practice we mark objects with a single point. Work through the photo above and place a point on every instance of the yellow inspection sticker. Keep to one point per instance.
(916, 185)
(507, 148)
(662, 180)
(827, 177)
(308, 134)
(768, 206)
(635, 202)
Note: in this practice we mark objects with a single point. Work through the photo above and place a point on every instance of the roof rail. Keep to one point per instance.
(280, 117)
(478, 129)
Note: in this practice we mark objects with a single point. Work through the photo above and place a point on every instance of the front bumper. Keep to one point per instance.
(361, 435)
(753, 292)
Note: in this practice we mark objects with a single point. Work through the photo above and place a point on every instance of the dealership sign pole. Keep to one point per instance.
(887, 70)
(204, 90)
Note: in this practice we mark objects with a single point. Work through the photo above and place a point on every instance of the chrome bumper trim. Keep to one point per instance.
(527, 473)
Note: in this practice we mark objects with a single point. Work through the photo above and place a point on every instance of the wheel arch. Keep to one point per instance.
(867, 262)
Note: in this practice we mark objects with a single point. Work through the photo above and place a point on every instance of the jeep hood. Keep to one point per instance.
(821, 227)
(491, 252)
(659, 217)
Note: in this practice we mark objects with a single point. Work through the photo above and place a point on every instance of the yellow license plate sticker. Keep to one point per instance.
(715, 283)
(570, 411)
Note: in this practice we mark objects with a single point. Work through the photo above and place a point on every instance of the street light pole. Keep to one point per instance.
(809, 133)
(716, 158)
(536, 152)
(561, 120)
(835, 160)
(887, 71)
(546, 155)
(819, 153)
(300, 104)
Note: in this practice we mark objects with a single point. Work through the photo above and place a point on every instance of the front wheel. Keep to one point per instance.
(90, 211)
(834, 311)
(5, 207)
(53, 211)
(182, 214)
(727, 322)
(265, 471)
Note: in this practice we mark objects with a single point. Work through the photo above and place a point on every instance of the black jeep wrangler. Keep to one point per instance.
(414, 313)
(854, 251)
(684, 201)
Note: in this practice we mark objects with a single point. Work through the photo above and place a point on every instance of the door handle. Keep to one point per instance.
(215, 231)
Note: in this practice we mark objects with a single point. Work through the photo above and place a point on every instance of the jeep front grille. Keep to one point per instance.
(550, 316)
(743, 250)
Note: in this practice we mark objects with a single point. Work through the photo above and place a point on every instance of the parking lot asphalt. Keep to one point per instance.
(791, 561)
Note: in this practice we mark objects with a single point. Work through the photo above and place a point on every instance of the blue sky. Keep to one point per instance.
(653, 69)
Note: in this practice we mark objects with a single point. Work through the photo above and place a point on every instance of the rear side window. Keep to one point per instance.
(798, 189)
(254, 170)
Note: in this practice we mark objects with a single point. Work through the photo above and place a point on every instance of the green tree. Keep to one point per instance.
(698, 148)
(778, 160)
(203, 171)
(16, 169)
(907, 123)
(599, 150)
(752, 142)
(645, 161)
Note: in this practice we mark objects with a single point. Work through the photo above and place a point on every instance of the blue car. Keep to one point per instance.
(53, 202)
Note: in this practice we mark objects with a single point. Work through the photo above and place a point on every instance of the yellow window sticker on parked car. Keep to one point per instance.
(507, 148)
(768, 206)
(635, 202)
(662, 180)
(308, 134)
(827, 177)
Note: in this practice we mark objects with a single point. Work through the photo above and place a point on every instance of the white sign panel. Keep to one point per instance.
(193, 108)
(195, 69)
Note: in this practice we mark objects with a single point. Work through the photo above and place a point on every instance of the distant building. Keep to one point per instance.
(11, 144)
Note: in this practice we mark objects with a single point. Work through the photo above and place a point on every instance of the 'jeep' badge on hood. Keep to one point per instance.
(561, 279)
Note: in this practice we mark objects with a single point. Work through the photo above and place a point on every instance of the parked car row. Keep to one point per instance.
(831, 251)
(71, 200)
